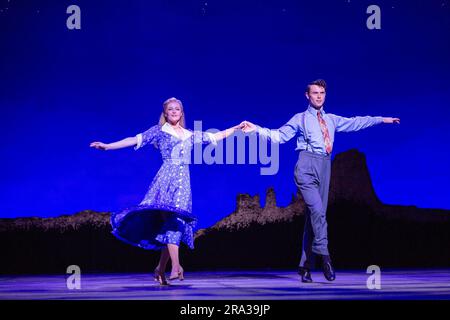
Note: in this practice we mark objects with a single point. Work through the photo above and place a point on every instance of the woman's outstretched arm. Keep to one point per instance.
(227, 132)
(127, 142)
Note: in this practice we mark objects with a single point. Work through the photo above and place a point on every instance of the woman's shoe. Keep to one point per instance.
(162, 280)
(179, 275)
(160, 277)
(156, 274)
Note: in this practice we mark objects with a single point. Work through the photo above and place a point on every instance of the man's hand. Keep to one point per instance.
(391, 120)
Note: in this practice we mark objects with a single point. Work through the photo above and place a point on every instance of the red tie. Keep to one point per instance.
(325, 133)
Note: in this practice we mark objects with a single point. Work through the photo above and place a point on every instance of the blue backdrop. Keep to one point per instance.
(227, 61)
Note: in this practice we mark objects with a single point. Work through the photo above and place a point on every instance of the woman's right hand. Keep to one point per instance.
(99, 145)
(239, 126)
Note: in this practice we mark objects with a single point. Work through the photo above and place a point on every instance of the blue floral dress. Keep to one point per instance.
(164, 216)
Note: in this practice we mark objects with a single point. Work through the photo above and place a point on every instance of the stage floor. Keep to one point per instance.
(233, 285)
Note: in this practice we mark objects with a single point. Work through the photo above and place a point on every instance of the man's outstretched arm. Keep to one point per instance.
(358, 123)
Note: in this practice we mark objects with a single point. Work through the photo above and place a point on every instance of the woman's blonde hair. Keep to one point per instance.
(163, 119)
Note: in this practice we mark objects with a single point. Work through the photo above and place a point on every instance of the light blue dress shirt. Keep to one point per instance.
(306, 124)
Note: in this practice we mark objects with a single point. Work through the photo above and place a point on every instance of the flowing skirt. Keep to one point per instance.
(165, 214)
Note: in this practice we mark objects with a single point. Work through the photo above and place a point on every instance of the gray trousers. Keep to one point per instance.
(312, 177)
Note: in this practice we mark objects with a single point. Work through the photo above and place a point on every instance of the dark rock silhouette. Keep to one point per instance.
(362, 232)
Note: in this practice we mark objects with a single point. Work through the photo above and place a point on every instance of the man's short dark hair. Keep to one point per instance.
(318, 82)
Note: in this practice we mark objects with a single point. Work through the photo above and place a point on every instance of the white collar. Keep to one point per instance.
(167, 128)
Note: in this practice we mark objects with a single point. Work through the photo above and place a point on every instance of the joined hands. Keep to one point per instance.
(245, 126)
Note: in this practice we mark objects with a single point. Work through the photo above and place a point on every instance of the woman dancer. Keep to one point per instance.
(164, 217)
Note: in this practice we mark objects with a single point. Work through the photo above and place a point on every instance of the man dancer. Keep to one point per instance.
(315, 130)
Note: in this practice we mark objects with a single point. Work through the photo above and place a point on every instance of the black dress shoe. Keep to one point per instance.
(305, 274)
(328, 271)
